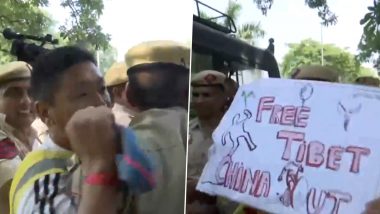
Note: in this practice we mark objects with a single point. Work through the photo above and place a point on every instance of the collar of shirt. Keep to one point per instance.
(49, 144)
(118, 107)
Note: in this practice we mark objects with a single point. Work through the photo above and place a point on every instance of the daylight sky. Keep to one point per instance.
(290, 21)
(133, 21)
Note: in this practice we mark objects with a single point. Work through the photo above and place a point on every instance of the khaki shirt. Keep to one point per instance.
(123, 116)
(162, 134)
(9, 144)
(199, 144)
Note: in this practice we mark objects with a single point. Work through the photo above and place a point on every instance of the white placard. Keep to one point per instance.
(288, 146)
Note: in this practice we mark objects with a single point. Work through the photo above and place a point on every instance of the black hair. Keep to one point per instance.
(167, 86)
(49, 68)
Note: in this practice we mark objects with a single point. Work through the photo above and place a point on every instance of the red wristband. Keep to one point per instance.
(102, 179)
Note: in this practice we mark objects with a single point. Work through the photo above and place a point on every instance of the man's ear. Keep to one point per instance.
(43, 111)
(118, 91)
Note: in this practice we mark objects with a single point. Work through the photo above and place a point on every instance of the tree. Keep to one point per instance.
(30, 17)
(248, 32)
(107, 58)
(369, 44)
(308, 52)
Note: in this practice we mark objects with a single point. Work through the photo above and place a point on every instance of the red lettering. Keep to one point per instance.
(301, 152)
(357, 152)
(276, 115)
(244, 182)
(288, 115)
(263, 186)
(255, 181)
(220, 175)
(302, 115)
(264, 105)
(334, 155)
(314, 156)
(315, 204)
(338, 197)
(289, 136)
(228, 182)
(237, 178)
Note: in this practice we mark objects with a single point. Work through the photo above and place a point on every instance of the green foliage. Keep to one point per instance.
(30, 17)
(370, 40)
(248, 32)
(308, 52)
(324, 12)
(107, 58)
(83, 27)
(23, 17)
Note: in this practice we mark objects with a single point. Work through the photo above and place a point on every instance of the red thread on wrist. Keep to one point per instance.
(102, 179)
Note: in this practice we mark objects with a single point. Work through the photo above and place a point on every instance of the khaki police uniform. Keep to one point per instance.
(368, 81)
(200, 137)
(162, 133)
(315, 72)
(12, 150)
(117, 75)
(201, 140)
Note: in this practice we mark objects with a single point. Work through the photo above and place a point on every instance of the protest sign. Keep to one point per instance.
(288, 146)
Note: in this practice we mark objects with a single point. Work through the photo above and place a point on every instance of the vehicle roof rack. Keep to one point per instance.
(230, 28)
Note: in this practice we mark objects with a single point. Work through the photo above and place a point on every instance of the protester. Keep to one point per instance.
(116, 80)
(70, 99)
(17, 137)
(158, 85)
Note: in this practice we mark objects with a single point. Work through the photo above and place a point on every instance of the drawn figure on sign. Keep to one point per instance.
(347, 113)
(238, 134)
(246, 96)
(306, 92)
(293, 176)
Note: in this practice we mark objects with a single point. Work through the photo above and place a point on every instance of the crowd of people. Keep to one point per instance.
(73, 141)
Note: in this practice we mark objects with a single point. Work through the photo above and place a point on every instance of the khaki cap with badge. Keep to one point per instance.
(14, 71)
(368, 80)
(208, 78)
(316, 72)
(158, 51)
(162, 132)
(116, 74)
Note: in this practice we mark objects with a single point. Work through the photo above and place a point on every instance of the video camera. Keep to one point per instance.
(27, 52)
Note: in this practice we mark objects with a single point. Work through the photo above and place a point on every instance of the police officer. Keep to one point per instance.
(316, 73)
(116, 79)
(158, 85)
(16, 134)
(211, 93)
(208, 99)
